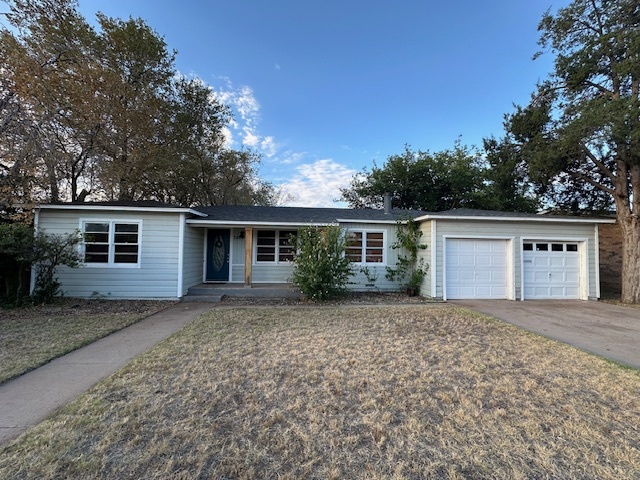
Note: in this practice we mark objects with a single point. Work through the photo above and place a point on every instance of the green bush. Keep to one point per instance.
(20, 249)
(320, 268)
(409, 269)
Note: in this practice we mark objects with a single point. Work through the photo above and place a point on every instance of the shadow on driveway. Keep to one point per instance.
(610, 331)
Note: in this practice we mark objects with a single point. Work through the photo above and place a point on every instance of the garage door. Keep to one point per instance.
(551, 270)
(476, 268)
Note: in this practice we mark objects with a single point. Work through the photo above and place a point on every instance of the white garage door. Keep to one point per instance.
(476, 268)
(551, 270)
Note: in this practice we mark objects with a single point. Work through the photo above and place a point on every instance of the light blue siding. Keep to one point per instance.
(193, 254)
(516, 232)
(157, 276)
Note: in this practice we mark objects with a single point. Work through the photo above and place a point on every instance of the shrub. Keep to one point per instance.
(320, 268)
(409, 268)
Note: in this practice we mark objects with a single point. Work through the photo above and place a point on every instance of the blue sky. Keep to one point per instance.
(325, 88)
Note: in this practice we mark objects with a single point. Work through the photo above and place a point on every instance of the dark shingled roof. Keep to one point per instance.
(301, 215)
(124, 203)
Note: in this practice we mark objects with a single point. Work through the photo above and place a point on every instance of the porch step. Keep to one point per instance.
(217, 292)
(202, 298)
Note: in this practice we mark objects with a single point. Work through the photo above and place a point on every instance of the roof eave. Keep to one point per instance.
(122, 208)
(516, 219)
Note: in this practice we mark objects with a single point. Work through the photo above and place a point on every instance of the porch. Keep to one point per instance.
(216, 292)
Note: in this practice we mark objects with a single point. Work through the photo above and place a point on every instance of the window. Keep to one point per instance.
(527, 246)
(557, 247)
(542, 247)
(108, 243)
(274, 244)
(572, 247)
(365, 247)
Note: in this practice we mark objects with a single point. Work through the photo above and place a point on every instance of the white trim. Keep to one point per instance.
(510, 262)
(117, 208)
(112, 221)
(434, 259)
(597, 259)
(181, 228)
(276, 261)
(363, 263)
(547, 219)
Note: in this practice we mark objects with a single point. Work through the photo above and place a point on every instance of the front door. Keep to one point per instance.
(218, 255)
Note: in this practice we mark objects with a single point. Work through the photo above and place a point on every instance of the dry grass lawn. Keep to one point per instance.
(30, 337)
(346, 392)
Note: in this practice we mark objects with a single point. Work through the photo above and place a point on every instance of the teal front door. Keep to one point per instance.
(218, 255)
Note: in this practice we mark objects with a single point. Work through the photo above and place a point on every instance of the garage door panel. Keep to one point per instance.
(551, 272)
(476, 268)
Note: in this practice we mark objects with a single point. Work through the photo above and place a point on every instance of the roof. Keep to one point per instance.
(472, 214)
(235, 214)
(122, 205)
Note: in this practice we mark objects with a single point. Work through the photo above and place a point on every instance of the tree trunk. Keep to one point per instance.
(630, 226)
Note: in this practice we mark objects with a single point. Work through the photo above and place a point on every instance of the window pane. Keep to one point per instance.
(542, 247)
(96, 237)
(572, 247)
(527, 246)
(557, 247)
(96, 257)
(354, 239)
(127, 227)
(126, 249)
(96, 227)
(126, 258)
(126, 238)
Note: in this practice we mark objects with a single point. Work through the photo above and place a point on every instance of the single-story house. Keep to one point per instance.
(140, 250)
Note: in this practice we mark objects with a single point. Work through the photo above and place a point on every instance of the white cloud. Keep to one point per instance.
(244, 126)
(318, 184)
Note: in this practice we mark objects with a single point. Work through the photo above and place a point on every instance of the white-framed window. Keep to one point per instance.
(274, 246)
(111, 243)
(365, 246)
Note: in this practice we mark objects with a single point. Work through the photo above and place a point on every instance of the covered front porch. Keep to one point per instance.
(247, 256)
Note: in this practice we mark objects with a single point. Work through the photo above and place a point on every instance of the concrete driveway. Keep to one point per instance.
(607, 330)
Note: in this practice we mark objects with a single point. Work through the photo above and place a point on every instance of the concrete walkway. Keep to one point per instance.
(32, 397)
(610, 331)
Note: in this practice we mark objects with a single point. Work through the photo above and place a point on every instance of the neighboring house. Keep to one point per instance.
(152, 250)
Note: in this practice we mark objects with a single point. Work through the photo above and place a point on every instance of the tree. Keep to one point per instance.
(581, 131)
(100, 112)
(410, 268)
(419, 181)
(457, 178)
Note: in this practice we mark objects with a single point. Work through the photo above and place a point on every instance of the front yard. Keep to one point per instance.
(30, 337)
(422, 391)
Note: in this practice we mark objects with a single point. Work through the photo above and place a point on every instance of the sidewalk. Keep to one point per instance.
(32, 397)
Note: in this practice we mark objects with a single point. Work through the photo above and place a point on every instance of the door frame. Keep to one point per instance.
(207, 253)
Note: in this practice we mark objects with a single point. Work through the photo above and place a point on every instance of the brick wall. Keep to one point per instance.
(610, 257)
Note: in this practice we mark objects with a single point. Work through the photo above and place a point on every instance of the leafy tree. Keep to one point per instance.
(320, 268)
(16, 253)
(100, 112)
(456, 178)
(580, 134)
